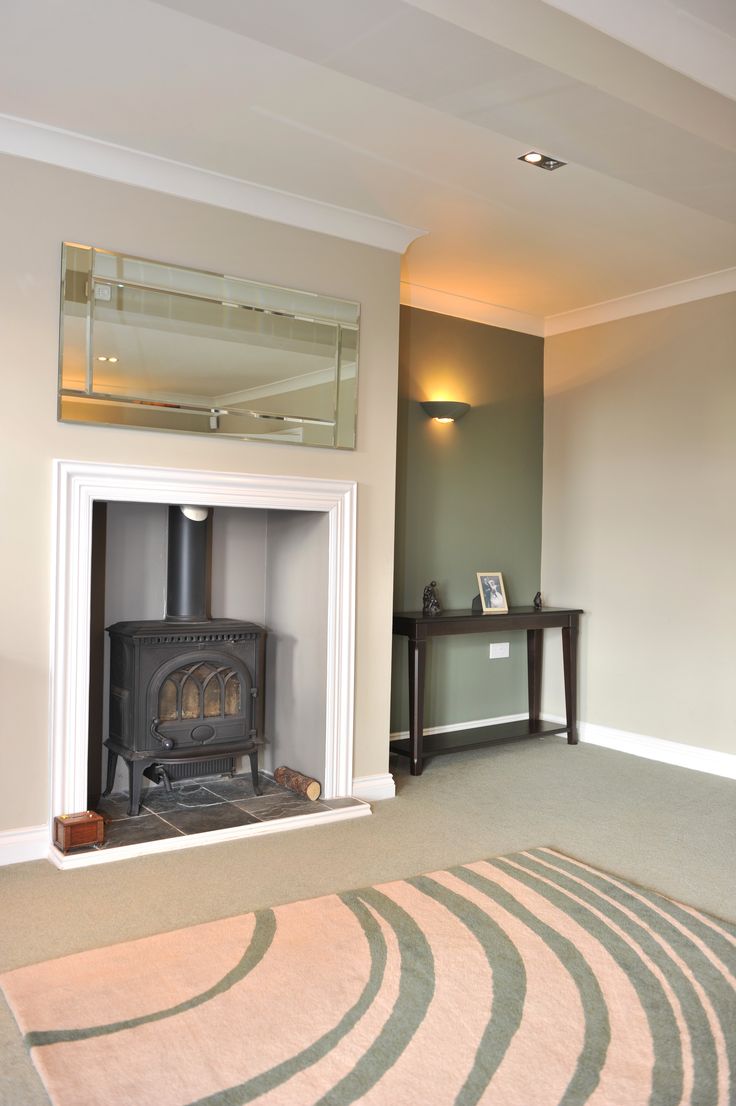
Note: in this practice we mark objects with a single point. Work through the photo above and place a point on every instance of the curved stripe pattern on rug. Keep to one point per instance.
(531, 979)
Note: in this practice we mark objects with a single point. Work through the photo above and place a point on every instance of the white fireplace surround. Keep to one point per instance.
(78, 485)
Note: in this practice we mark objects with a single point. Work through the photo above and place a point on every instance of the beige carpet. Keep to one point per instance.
(521, 981)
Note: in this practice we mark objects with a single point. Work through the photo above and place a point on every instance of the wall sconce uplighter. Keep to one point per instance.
(444, 410)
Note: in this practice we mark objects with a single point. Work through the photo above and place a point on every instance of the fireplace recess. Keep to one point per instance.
(186, 692)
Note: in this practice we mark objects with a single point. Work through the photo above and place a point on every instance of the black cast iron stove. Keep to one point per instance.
(186, 692)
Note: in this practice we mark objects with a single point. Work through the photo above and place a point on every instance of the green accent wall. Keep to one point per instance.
(469, 499)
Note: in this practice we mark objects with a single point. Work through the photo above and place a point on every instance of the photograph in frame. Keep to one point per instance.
(492, 593)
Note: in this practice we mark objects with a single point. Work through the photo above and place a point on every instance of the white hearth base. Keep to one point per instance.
(212, 837)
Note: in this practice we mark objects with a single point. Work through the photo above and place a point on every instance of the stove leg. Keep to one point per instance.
(135, 774)
(254, 771)
(112, 763)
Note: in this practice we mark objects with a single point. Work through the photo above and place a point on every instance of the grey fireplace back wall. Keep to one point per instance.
(296, 647)
(256, 563)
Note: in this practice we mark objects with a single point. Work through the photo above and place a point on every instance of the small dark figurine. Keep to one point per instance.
(430, 599)
(538, 601)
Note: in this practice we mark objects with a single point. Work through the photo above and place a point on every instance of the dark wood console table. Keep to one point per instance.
(419, 628)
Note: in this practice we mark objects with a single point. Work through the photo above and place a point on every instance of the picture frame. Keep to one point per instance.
(492, 593)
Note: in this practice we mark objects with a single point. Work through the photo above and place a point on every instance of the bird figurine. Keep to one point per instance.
(430, 599)
(538, 601)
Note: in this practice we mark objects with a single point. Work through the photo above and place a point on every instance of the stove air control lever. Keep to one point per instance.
(166, 742)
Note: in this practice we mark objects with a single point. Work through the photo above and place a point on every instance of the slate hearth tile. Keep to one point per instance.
(114, 806)
(222, 816)
(283, 805)
(240, 787)
(183, 796)
(134, 831)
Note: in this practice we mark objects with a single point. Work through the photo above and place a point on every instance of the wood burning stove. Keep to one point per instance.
(186, 692)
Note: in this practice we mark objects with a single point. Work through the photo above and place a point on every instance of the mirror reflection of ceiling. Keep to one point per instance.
(416, 111)
(153, 345)
(190, 349)
(189, 367)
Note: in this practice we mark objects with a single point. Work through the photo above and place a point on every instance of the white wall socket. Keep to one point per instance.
(499, 649)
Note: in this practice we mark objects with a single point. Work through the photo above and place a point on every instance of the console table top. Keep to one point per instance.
(416, 624)
(453, 616)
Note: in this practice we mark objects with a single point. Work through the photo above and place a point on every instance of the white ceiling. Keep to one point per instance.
(416, 111)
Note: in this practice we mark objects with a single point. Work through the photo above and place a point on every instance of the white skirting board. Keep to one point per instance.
(694, 757)
(28, 843)
(32, 842)
(638, 745)
(372, 788)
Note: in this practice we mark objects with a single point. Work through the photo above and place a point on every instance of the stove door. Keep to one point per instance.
(200, 700)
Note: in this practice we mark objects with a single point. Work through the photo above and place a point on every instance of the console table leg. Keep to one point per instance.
(417, 650)
(570, 663)
(534, 672)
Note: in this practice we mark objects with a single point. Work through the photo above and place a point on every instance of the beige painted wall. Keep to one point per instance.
(42, 206)
(639, 518)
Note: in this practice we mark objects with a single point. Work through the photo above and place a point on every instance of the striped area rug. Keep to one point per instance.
(526, 980)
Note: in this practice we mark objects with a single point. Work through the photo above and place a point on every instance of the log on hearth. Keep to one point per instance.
(297, 781)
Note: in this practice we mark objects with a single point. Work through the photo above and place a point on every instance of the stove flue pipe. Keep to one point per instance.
(188, 567)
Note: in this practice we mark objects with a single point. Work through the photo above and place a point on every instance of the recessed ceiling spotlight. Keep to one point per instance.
(542, 161)
(102, 359)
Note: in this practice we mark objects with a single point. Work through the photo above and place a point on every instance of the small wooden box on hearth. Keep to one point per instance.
(73, 830)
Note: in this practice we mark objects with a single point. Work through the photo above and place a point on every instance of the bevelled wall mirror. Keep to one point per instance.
(159, 347)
